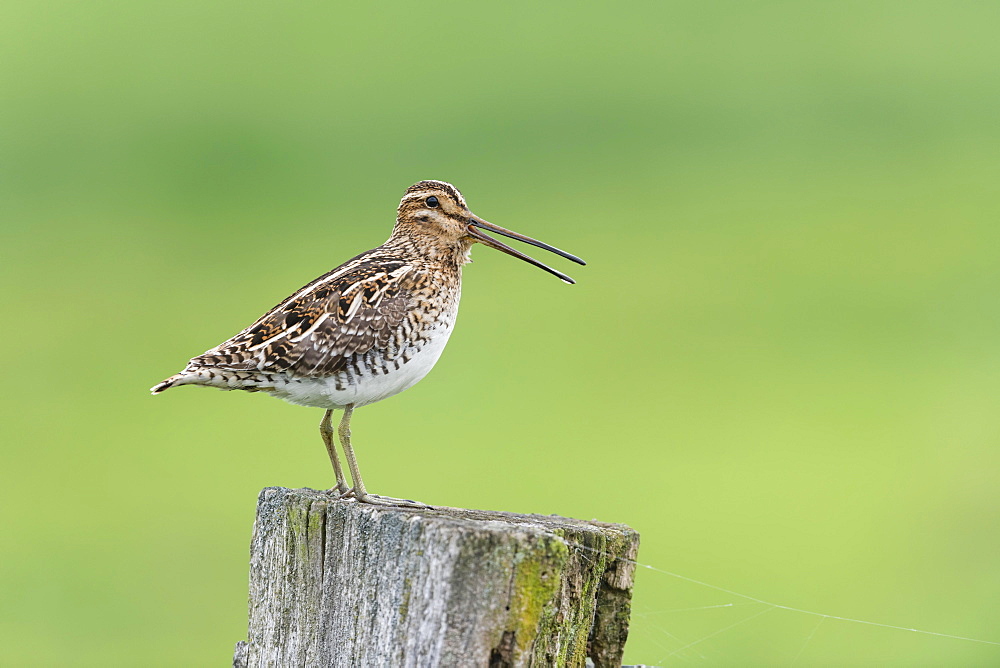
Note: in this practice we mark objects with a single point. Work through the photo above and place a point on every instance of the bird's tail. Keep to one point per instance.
(176, 379)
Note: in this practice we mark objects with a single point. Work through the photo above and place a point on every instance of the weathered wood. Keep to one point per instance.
(338, 583)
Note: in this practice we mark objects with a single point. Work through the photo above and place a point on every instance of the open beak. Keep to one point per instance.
(477, 224)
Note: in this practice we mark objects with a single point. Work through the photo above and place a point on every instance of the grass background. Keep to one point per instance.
(781, 365)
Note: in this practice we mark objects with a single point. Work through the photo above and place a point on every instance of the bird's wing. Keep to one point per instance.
(316, 330)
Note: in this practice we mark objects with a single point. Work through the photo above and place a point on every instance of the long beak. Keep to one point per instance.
(475, 223)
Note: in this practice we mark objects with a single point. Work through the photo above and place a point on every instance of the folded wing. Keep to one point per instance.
(317, 330)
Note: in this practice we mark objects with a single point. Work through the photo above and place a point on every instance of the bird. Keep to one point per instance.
(367, 330)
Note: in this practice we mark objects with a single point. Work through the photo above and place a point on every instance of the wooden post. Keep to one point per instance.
(338, 583)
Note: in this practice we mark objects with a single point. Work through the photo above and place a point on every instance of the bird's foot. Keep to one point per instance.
(377, 500)
(341, 492)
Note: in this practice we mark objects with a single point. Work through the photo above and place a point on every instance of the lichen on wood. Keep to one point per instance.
(338, 583)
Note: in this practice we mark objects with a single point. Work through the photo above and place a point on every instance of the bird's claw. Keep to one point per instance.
(341, 492)
(377, 500)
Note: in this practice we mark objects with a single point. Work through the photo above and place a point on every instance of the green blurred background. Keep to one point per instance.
(781, 365)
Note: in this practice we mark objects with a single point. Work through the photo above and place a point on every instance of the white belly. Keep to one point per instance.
(374, 383)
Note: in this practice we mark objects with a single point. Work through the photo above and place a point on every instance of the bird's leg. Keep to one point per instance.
(326, 431)
(359, 492)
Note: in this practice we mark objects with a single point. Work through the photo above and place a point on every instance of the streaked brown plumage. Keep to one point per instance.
(367, 330)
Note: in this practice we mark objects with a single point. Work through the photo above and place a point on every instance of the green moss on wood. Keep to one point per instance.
(536, 581)
(404, 607)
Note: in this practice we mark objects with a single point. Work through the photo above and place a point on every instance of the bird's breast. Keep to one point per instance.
(411, 352)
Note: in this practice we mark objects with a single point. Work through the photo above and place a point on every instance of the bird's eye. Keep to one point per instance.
(432, 201)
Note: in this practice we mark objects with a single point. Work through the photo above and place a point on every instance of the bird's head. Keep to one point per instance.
(434, 215)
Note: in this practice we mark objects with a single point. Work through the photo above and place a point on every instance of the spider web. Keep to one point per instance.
(738, 611)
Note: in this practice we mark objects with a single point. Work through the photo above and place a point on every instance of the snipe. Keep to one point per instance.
(367, 330)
